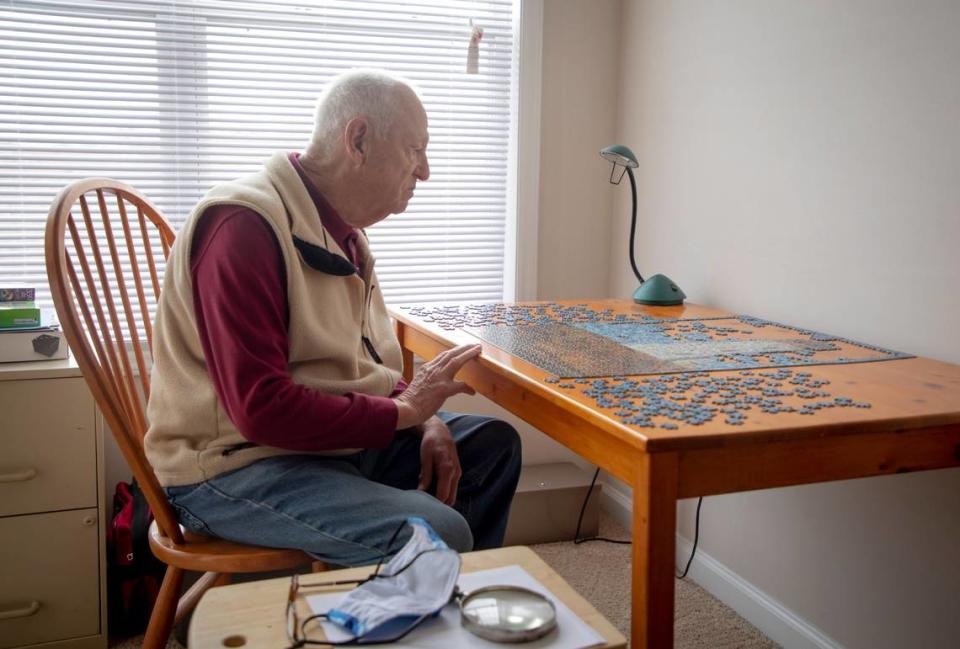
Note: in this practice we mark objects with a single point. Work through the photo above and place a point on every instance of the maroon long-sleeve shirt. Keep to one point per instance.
(240, 301)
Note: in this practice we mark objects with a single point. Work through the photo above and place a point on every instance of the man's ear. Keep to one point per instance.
(357, 139)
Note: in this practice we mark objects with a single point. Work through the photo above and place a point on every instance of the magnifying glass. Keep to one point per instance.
(506, 613)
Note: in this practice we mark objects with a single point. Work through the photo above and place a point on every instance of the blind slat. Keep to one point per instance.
(174, 96)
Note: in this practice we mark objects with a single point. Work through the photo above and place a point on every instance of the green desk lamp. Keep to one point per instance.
(659, 290)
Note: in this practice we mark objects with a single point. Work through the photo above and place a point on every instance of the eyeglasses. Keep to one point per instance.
(296, 629)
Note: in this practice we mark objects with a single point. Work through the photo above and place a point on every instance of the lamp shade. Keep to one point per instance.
(619, 154)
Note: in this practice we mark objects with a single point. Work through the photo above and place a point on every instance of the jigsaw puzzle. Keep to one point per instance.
(579, 342)
(610, 358)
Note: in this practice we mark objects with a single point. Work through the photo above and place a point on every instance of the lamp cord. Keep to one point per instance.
(696, 538)
(577, 540)
(633, 223)
(576, 535)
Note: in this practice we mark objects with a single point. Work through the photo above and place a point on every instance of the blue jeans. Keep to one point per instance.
(344, 510)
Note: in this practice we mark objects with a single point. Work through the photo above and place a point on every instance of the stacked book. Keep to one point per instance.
(27, 332)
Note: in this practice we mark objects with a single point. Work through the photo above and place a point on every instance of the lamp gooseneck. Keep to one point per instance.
(659, 290)
(633, 224)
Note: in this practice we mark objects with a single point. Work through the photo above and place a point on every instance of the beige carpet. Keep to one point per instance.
(599, 572)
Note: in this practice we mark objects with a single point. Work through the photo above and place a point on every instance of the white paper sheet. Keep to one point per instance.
(445, 631)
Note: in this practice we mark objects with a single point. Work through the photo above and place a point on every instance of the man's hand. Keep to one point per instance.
(433, 385)
(438, 457)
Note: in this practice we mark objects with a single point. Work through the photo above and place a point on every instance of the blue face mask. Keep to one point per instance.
(414, 585)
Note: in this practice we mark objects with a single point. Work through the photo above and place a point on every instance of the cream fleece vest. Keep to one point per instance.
(190, 437)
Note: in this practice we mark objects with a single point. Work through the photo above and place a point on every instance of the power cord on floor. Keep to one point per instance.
(576, 535)
(577, 540)
(696, 538)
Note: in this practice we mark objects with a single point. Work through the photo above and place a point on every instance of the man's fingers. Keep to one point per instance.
(447, 480)
(452, 388)
(448, 363)
(468, 352)
(453, 484)
(453, 493)
(461, 350)
(443, 487)
(426, 471)
(435, 382)
(459, 387)
(457, 357)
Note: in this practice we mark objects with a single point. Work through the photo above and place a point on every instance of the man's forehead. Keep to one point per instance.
(412, 117)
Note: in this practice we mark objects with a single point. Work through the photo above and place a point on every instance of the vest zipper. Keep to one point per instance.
(370, 348)
(364, 319)
(230, 450)
(364, 324)
(365, 315)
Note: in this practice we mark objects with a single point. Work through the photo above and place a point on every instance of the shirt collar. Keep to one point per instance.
(332, 222)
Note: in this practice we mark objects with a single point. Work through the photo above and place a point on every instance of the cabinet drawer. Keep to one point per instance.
(48, 456)
(51, 581)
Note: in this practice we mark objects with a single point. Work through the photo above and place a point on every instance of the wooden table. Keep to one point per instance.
(253, 614)
(913, 424)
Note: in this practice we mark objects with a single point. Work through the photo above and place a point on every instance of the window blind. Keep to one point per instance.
(173, 96)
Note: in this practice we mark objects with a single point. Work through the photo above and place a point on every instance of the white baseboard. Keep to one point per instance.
(615, 502)
(757, 607)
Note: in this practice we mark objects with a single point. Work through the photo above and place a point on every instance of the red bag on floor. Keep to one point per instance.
(134, 575)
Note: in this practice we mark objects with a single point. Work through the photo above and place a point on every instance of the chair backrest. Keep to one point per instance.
(101, 236)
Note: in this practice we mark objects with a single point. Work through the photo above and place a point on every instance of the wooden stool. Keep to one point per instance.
(253, 614)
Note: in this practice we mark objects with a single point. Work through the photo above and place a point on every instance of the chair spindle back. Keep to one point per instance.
(100, 242)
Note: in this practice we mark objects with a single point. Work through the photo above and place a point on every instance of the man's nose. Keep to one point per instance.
(423, 169)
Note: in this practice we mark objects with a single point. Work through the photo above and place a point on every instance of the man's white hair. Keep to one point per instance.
(374, 94)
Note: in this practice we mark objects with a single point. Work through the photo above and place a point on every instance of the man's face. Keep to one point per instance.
(398, 160)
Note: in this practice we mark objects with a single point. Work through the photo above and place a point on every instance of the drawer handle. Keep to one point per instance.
(21, 612)
(19, 476)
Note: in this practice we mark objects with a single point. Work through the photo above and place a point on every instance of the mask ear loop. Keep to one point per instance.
(359, 639)
(383, 555)
(375, 575)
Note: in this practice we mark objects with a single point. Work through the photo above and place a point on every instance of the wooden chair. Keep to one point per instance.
(92, 256)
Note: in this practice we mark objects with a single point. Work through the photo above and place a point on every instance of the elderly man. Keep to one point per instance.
(278, 415)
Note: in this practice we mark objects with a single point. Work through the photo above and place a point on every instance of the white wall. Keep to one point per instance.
(579, 76)
(800, 160)
(581, 55)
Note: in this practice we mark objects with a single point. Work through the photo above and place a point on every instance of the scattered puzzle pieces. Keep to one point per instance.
(698, 398)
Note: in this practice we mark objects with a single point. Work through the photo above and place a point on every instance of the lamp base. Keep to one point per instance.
(659, 290)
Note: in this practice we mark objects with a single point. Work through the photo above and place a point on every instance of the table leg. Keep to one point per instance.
(407, 364)
(654, 548)
(405, 353)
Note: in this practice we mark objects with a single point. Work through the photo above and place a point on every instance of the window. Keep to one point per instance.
(173, 96)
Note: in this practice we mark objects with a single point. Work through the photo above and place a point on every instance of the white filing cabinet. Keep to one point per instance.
(52, 509)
